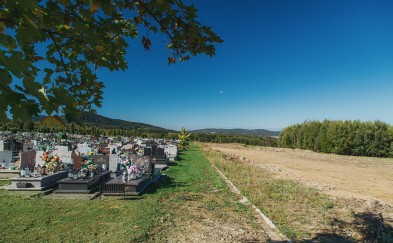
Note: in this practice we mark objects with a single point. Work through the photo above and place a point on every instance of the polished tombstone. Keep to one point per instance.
(114, 165)
(101, 160)
(153, 150)
(6, 168)
(77, 161)
(38, 158)
(160, 158)
(28, 160)
(147, 151)
(36, 183)
(64, 155)
(6, 156)
(160, 152)
(87, 185)
(142, 162)
(171, 152)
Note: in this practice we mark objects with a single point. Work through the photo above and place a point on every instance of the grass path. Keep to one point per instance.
(191, 203)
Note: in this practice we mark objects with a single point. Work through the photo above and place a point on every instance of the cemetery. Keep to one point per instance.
(84, 166)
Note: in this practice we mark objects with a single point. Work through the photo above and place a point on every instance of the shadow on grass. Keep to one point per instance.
(173, 164)
(164, 182)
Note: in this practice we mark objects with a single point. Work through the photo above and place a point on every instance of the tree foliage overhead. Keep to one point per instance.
(50, 49)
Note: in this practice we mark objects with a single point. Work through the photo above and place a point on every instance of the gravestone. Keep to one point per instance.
(171, 151)
(114, 162)
(142, 161)
(77, 160)
(154, 150)
(37, 148)
(6, 155)
(160, 152)
(38, 158)
(64, 155)
(147, 151)
(28, 159)
(25, 147)
(84, 148)
(101, 160)
(62, 148)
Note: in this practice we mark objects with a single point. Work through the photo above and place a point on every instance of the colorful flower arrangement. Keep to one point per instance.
(140, 151)
(133, 170)
(51, 162)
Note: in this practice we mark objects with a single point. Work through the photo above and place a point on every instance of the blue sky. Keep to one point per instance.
(282, 62)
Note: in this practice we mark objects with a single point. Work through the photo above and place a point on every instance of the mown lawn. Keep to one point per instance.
(135, 219)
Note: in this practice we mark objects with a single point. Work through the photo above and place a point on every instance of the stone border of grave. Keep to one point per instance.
(117, 187)
(6, 173)
(36, 183)
(84, 186)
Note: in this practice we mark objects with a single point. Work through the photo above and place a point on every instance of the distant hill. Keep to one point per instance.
(238, 131)
(91, 119)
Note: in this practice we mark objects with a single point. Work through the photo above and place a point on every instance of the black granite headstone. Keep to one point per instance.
(147, 151)
(160, 152)
(100, 160)
(154, 150)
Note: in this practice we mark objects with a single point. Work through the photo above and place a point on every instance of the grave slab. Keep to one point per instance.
(83, 186)
(36, 183)
(132, 188)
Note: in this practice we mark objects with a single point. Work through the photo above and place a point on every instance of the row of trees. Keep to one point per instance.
(340, 137)
(243, 139)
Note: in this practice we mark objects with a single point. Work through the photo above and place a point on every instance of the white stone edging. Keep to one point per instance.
(275, 233)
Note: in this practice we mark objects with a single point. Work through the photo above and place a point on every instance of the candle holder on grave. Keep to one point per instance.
(70, 175)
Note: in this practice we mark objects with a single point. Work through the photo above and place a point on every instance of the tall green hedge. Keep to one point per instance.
(340, 137)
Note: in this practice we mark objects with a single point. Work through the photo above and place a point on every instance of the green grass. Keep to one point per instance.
(136, 219)
(5, 182)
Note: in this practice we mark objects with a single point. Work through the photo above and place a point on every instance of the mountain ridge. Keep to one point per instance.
(238, 131)
(100, 121)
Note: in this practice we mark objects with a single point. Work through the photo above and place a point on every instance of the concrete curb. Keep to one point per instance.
(273, 232)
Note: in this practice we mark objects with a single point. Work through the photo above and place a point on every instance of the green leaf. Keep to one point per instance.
(30, 84)
(31, 22)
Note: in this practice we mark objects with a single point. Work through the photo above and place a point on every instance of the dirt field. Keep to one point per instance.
(366, 182)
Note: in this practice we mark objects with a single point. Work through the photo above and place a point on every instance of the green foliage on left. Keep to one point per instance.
(50, 50)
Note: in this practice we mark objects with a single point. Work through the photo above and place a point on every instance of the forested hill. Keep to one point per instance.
(238, 131)
(98, 121)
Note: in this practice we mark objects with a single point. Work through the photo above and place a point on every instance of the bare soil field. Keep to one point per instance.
(364, 183)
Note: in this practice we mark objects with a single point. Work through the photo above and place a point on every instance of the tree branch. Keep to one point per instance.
(61, 57)
(165, 30)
